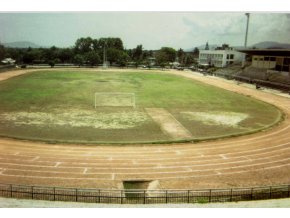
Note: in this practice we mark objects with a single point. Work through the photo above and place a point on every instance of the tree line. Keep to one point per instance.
(90, 52)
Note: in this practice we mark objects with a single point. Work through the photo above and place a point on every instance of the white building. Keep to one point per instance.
(8, 61)
(219, 58)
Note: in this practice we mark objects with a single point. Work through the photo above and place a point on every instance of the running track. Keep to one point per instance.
(254, 160)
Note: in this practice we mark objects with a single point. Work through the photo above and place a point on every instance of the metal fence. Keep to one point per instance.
(143, 196)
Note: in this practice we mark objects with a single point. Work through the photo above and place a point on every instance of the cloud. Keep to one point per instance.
(152, 29)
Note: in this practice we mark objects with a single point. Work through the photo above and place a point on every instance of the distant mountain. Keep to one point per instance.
(270, 44)
(266, 44)
(21, 44)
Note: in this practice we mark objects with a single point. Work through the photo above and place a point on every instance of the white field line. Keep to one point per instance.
(164, 178)
(218, 173)
(57, 164)
(161, 167)
(223, 156)
(178, 152)
(36, 158)
(165, 163)
(2, 170)
(173, 158)
(164, 149)
(170, 147)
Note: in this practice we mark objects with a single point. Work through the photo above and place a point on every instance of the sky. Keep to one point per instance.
(153, 30)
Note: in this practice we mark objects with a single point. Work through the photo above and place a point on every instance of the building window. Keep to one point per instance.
(272, 59)
(266, 58)
(231, 56)
(286, 61)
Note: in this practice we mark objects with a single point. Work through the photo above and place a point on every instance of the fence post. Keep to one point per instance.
(288, 191)
(121, 196)
(10, 190)
(54, 193)
(251, 193)
(209, 196)
(76, 195)
(231, 199)
(188, 196)
(31, 192)
(166, 200)
(99, 196)
(270, 192)
(144, 200)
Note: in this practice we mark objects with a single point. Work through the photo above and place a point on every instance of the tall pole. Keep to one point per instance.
(246, 37)
(105, 56)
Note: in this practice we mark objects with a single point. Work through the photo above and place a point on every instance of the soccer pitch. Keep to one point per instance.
(60, 106)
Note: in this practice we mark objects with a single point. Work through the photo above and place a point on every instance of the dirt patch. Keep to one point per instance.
(168, 123)
(78, 118)
(230, 119)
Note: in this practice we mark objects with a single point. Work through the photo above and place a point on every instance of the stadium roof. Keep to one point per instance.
(265, 52)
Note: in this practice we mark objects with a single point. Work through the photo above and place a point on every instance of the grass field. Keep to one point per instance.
(58, 105)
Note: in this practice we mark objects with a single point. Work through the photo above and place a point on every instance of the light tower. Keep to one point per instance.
(246, 38)
(247, 28)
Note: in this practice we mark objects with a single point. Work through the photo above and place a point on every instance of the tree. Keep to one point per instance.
(123, 59)
(84, 45)
(92, 58)
(2, 52)
(115, 43)
(96, 45)
(78, 59)
(117, 56)
(32, 55)
(51, 54)
(195, 52)
(189, 60)
(181, 56)
(65, 55)
(165, 55)
(206, 46)
(137, 53)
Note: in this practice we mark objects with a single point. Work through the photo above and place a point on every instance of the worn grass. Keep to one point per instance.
(52, 96)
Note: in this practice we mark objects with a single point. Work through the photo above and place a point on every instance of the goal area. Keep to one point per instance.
(114, 99)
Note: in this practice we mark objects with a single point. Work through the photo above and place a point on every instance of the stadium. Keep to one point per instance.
(153, 132)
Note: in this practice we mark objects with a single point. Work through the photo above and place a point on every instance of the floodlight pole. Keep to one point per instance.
(247, 28)
(246, 38)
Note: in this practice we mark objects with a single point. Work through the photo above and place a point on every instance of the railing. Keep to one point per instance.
(257, 82)
(143, 196)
